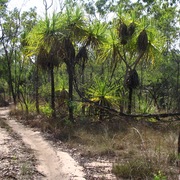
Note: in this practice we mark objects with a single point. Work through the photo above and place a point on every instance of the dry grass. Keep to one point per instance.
(140, 150)
(148, 152)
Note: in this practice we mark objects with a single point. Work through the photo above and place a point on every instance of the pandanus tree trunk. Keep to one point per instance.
(37, 88)
(132, 81)
(11, 82)
(70, 63)
(83, 82)
(52, 91)
(70, 105)
(130, 100)
(82, 57)
(179, 144)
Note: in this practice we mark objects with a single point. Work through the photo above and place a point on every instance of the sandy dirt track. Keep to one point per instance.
(52, 163)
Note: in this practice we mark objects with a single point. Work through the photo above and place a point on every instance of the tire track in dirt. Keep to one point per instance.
(54, 164)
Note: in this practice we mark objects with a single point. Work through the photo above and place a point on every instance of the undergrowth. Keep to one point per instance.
(139, 149)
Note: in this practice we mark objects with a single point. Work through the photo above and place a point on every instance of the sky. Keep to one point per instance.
(25, 5)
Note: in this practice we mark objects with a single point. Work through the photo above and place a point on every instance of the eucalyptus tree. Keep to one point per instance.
(28, 21)
(10, 26)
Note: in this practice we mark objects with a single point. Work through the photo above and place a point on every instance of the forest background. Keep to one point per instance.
(129, 62)
(99, 65)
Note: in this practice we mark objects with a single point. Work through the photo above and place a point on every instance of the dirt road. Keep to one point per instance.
(52, 163)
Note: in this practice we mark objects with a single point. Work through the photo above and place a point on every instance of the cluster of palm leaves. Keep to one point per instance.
(68, 37)
(103, 94)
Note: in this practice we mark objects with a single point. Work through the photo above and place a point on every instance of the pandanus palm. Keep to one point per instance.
(78, 35)
(131, 41)
(44, 41)
(94, 36)
(103, 94)
(73, 30)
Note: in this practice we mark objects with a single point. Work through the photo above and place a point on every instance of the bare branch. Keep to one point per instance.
(46, 5)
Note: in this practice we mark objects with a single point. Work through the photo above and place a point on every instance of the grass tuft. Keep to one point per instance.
(137, 168)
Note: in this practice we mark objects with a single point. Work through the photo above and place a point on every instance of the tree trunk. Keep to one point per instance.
(52, 91)
(25, 103)
(177, 86)
(10, 75)
(83, 93)
(70, 105)
(130, 100)
(179, 144)
(11, 83)
(37, 88)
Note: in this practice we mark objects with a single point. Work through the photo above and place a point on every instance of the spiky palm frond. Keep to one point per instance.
(101, 89)
(156, 44)
(73, 23)
(44, 40)
(96, 33)
(109, 49)
(45, 30)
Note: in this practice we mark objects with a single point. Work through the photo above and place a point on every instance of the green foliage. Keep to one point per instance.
(43, 34)
(3, 5)
(101, 88)
(31, 106)
(3, 85)
(159, 176)
(146, 108)
(46, 110)
(27, 39)
(45, 91)
(60, 82)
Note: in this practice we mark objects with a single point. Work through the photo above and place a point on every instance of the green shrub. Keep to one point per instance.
(159, 176)
(46, 110)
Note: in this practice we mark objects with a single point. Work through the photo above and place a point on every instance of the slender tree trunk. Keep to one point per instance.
(70, 105)
(177, 86)
(179, 144)
(70, 60)
(24, 102)
(15, 74)
(83, 82)
(11, 83)
(130, 100)
(52, 91)
(37, 88)
(10, 75)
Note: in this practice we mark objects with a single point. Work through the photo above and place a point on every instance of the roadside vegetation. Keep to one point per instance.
(138, 149)
(107, 86)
